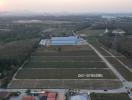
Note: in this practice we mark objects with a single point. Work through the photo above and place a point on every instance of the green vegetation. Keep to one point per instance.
(99, 96)
(18, 43)
(20, 32)
(121, 44)
(12, 55)
(124, 72)
(91, 32)
(124, 45)
(19, 37)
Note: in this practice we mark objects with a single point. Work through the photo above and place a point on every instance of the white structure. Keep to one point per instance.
(106, 30)
(80, 97)
(71, 40)
(118, 31)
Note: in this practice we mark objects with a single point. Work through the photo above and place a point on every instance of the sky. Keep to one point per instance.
(66, 5)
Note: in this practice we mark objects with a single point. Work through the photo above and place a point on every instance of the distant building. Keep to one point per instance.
(59, 41)
(118, 31)
(106, 30)
(109, 17)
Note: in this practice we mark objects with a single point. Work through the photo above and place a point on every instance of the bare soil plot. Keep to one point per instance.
(65, 53)
(49, 68)
(71, 58)
(65, 64)
(68, 73)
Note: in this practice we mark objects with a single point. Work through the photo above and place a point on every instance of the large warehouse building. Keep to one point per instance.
(71, 40)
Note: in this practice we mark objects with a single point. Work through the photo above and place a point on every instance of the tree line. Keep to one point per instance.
(13, 54)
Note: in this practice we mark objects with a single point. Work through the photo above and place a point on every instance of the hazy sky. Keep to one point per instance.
(67, 5)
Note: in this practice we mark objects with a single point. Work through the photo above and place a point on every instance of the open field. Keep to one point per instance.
(99, 96)
(61, 73)
(67, 53)
(70, 66)
(70, 58)
(65, 64)
(93, 32)
(65, 84)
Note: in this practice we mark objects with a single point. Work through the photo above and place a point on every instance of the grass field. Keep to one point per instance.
(90, 32)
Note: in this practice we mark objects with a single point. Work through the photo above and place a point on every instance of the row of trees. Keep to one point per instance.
(122, 44)
(20, 32)
(13, 54)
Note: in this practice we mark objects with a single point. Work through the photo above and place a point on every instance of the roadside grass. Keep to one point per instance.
(122, 70)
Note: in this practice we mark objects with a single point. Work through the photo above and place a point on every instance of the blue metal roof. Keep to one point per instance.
(64, 38)
(71, 40)
(63, 42)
